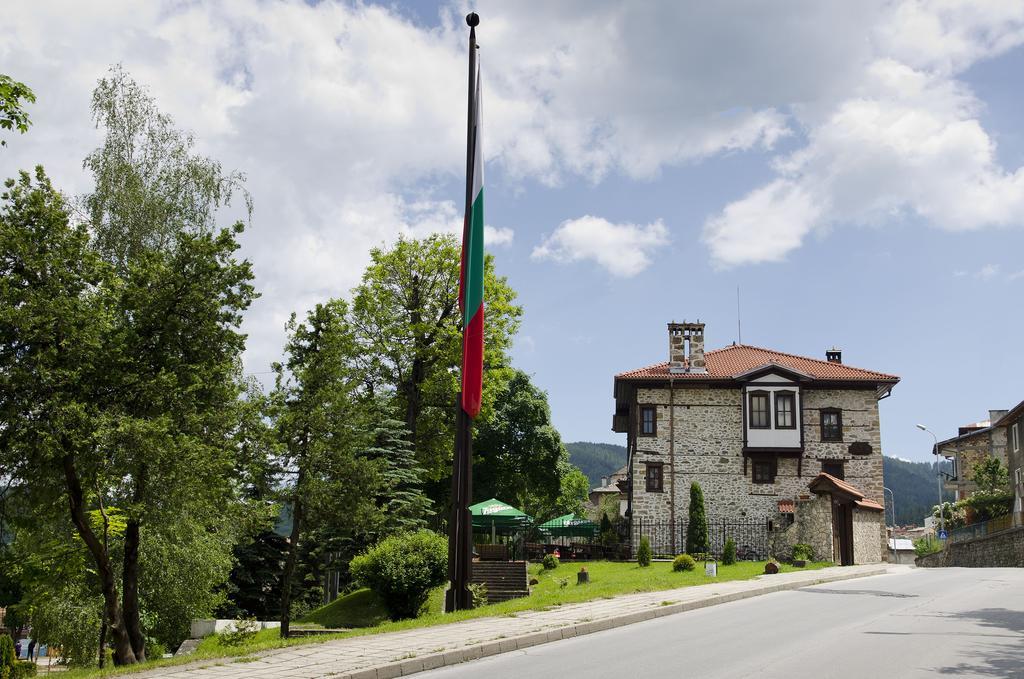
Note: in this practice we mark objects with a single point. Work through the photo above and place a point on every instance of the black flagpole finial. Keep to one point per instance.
(473, 19)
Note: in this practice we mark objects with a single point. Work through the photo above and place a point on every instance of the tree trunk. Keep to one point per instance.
(103, 642)
(130, 575)
(123, 653)
(289, 564)
(130, 586)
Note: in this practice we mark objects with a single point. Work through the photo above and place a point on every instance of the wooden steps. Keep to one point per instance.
(504, 579)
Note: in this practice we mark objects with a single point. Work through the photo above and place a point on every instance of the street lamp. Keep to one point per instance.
(893, 505)
(938, 476)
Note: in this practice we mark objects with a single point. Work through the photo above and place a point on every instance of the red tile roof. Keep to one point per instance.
(787, 506)
(869, 504)
(837, 483)
(735, 360)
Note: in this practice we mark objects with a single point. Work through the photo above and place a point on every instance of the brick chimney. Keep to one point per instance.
(834, 355)
(686, 347)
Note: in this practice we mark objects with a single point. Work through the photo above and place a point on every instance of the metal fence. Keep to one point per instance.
(981, 529)
(751, 538)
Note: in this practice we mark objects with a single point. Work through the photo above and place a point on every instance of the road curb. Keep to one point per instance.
(494, 647)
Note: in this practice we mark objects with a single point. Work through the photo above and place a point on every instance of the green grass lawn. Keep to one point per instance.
(363, 610)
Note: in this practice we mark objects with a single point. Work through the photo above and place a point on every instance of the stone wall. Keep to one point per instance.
(999, 550)
(812, 525)
(866, 547)
(708, 445)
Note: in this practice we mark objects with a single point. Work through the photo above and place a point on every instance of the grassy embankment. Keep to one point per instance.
(363, 612)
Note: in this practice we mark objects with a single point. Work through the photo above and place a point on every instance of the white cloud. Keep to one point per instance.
(623, 249)
(988, 271)
(342, 115)
(497, 236)
(904, 138)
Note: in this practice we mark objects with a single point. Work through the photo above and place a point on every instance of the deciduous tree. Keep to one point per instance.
(407, 322)
(13, 97)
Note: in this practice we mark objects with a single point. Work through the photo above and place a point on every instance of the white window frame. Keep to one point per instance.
(1015, 436)
(1018, 476)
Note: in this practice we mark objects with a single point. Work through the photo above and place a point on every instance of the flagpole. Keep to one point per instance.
(460, 529)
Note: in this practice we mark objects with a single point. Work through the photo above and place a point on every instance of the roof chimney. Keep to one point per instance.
(686, 347)
(994, 415)
(834, 355)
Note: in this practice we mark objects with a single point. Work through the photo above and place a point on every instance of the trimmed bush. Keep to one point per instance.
(729, 553)
(697, 527)
(683, 562)
(803, 552)
(643, 553)
(7, 658)
(402, 569)
(550, 562)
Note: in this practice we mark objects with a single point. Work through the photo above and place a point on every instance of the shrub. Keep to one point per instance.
(803, 552)
(771, 568)
(729, 553)
(235, 634)
(402, 569)
(550, 562)
(683, 562)
(989, 504)
(643, 553)
(478, 591)
(6, 656)
(697, 526)
(927, 545)
(155, 650)
(534, 581)
(23, 669)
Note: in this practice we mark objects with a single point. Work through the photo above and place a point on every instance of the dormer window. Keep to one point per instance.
(785, 406)
(760, 412)
(831, 424)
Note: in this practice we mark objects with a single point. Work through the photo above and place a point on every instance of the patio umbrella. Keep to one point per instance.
(570, 525)
(493, 514)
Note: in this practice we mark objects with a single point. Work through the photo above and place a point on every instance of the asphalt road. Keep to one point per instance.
(921, 623)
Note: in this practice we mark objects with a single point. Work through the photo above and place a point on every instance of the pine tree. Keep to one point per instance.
(697, 527)
(404, 504)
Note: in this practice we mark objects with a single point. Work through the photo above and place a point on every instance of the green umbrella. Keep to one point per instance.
(570, 525)
(493, 514)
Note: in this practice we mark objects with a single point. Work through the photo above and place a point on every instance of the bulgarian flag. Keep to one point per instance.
(471, 276)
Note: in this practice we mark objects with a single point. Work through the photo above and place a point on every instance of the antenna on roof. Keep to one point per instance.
(739, 327)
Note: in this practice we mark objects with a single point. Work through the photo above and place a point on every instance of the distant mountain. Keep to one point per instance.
(913, 485)
(596, 459)
(914, 489)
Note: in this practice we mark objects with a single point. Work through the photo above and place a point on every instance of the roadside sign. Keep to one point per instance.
(943, 535)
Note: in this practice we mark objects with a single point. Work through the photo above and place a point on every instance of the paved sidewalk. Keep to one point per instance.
(382, 656)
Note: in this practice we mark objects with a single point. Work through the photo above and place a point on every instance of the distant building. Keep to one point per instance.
(789, 441)
(612, 486)
(1000, 436)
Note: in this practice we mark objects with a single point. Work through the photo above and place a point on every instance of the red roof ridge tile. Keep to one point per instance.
(735, 360)
(802, 358)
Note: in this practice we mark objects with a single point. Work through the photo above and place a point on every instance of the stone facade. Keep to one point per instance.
(701, 433)
(700, 438)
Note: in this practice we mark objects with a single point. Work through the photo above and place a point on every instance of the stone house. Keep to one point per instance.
(1002, 437)
(771, 437)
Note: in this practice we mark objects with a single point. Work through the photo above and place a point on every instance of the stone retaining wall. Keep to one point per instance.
(1002, 549)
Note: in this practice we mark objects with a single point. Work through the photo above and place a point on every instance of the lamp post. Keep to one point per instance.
(893, 505)
(938, 476)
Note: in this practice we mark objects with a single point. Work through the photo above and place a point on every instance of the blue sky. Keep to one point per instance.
(854, 168)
